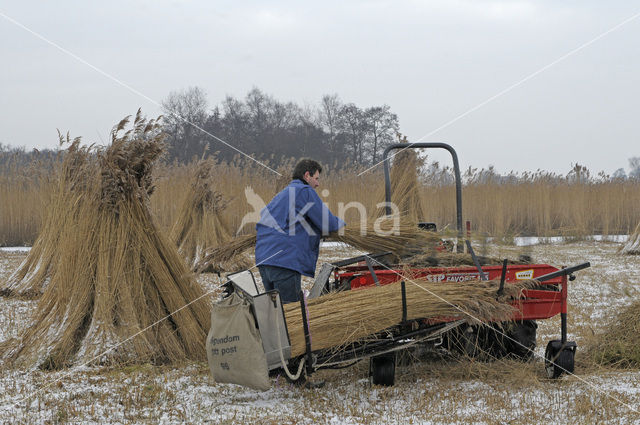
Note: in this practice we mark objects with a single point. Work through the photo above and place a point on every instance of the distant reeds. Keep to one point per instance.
(541, 204)
(61, 214)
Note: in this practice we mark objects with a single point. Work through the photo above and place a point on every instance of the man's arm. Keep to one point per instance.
(319, 213)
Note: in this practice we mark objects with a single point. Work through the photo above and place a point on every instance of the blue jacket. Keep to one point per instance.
(290, 228)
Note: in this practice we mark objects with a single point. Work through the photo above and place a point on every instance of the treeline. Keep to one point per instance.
(264, 127)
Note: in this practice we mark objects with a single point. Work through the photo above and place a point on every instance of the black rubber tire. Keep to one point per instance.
(522, 340)
(555, 364)
(382, 369)
(464, 341)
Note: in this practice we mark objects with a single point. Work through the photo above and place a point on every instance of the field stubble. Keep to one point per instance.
(433, 388)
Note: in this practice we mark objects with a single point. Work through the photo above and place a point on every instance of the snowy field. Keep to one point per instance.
(430, 387)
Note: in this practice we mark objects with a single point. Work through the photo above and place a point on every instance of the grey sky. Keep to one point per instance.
(429, 60)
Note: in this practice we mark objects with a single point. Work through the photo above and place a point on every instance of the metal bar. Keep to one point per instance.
(503, 277)
(562, 272)
(359, 258)
(373, 273)
(404, 301)
(483, 275)
(307, 335)
(563, 310)
(373, 347)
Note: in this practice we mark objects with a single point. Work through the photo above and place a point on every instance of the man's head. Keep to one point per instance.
(308, 171)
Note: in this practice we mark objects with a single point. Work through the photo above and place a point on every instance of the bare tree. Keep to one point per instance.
(634, 167)
(354, 126)
(329, 115)
(185, 117)
(382, 126)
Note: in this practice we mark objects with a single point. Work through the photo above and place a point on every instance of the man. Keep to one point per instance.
(289, 232)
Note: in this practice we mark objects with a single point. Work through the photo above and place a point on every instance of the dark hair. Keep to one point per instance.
(304, 165)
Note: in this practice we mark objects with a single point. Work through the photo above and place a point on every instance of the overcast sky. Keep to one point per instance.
(431, 61)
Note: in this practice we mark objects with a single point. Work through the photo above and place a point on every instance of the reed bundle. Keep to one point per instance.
(200, 224)
(394, 234)
(338, 319)
(632, 247)
(117, 277)
(619, 344)
(61, 214)
(226, 256)
(405, 188)
(399, 235)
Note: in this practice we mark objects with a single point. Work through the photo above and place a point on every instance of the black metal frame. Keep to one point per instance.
(362, 350)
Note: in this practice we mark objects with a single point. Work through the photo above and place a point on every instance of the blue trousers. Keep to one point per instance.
(287, 282)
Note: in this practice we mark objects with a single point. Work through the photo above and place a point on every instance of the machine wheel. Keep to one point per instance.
(522, 339)
(465, 341)
(382, 369)
(558, 359)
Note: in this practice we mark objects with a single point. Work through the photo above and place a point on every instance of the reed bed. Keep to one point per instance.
(541, 204)
(117, 275)
(333, 324)
(24, 191)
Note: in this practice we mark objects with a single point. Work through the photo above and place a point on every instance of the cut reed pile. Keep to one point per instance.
(632, 247)
(119, 291)
(200, 224)
(61, 215)
(228, 255)
(333, 322)
(619, 344)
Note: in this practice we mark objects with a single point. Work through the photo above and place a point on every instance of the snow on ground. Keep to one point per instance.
(436, 389)
(15, 249)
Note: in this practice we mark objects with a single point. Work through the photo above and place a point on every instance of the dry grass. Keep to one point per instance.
(332, 321)
(619, 344)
